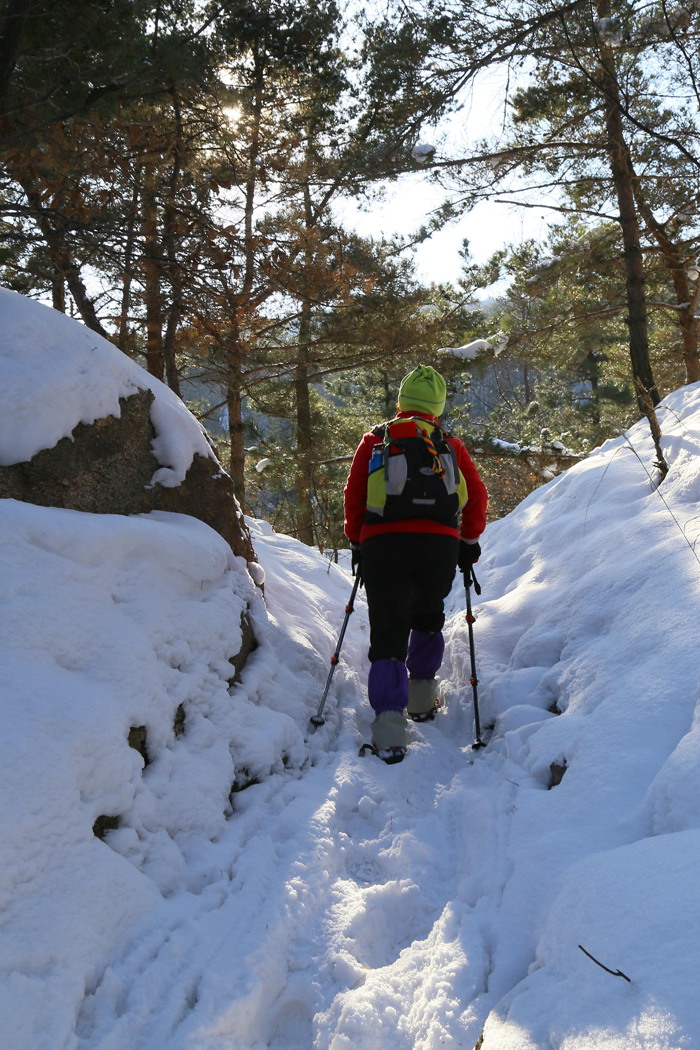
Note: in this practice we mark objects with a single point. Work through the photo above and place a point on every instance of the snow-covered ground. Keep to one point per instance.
(331, 901)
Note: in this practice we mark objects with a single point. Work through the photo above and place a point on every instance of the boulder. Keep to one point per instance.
(107, 467)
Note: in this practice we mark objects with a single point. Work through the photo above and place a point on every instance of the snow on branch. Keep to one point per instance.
(477, 348)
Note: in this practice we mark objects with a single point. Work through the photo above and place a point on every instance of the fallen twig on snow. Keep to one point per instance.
(615, 973)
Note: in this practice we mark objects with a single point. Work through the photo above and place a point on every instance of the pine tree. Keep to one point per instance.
(592, 128)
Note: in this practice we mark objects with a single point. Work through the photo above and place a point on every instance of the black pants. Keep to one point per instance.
(407, 576)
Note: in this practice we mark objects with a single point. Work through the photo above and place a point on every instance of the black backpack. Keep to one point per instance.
(413, 473)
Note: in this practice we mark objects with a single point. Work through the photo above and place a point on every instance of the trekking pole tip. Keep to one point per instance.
(317, 720)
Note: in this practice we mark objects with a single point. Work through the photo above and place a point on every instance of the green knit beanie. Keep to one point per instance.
(423, 390)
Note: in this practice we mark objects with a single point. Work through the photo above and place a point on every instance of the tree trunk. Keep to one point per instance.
(58, 292)
(155, 360)
(303, 479)
(124, 341)
(11, 28)
(623, 181)
(390, 396)
(64, 264)
(174, 269)
(686, 299)
(594, 379)
(239, 303)
(234, 402)
(526, 385)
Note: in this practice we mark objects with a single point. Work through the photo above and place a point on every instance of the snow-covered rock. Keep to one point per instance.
(91, 430)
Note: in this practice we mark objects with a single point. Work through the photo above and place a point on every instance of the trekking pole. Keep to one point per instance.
(318, 719)
(470, 577)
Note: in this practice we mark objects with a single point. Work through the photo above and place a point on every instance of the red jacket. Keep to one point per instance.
(473, 520)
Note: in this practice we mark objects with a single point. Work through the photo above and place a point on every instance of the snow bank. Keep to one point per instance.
(110, 624)
(592, 583)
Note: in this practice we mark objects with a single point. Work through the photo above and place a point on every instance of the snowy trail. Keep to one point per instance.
(338, 902)
(330, 913)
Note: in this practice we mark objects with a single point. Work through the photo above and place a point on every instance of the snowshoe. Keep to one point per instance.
(390, 755)
(424, 716)
(389, 737)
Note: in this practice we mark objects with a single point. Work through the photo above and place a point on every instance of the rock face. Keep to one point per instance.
(106, 468)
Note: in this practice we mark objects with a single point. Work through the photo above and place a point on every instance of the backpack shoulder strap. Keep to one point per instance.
(382, 430)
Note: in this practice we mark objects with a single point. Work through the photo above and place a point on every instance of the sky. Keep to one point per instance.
(331, 901)
(488, 227)
(411, 199)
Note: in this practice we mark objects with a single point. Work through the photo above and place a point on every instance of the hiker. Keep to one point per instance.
(407, 543)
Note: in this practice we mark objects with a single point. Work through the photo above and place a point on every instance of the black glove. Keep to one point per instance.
(355, 555)
(469, 554)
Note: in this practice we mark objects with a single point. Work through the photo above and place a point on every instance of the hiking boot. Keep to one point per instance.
(389, 736)
(422, 699)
